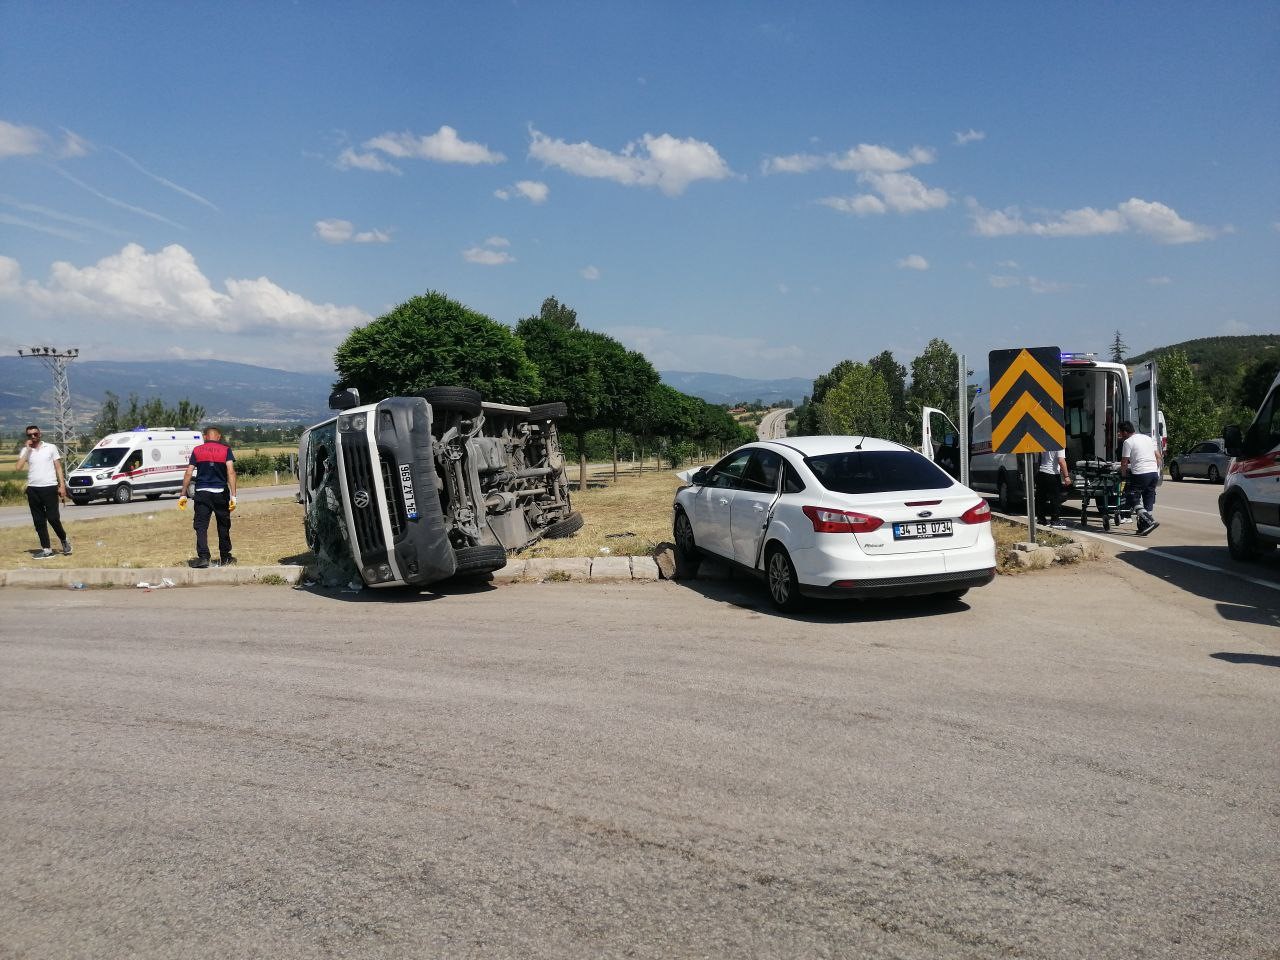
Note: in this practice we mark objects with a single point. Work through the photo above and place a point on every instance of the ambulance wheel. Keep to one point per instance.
(122, 493)
(80, 501)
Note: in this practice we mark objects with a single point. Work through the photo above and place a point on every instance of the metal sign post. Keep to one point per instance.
(1029, 491)
(962, 411)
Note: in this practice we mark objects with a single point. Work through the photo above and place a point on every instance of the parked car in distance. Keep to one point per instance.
(1208, 459)
(836, 517)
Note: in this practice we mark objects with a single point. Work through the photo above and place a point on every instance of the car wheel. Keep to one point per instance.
(474, 561)
(80, 501)
(1214, 475)
(1004, 493)
(548, 411)
(458, 399)
(1242, 539)
(566, 527)
(122, 493)
(688, 556)
(1175, 471)
(784, 587)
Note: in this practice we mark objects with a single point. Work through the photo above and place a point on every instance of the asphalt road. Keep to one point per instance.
(1078, 763)
(773, 425)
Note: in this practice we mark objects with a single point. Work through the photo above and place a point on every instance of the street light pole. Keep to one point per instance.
(57, 361)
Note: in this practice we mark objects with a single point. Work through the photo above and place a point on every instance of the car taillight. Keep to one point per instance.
(840, 521)
(980, 512)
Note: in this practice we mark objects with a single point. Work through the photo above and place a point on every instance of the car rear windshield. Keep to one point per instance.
(876, 471)
(103, 457)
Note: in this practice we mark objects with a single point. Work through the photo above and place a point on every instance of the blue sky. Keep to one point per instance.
(755, 189)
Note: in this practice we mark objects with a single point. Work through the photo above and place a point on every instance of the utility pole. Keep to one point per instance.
(56, 360)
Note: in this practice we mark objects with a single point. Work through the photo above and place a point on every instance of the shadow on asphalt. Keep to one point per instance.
(1261, 659)
(1236, 600)
(437, 591)
(745, 592)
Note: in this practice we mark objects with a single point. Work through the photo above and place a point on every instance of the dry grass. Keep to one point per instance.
(262, 532)
(628, 518)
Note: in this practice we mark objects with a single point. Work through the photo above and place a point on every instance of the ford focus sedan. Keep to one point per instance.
(836, 517)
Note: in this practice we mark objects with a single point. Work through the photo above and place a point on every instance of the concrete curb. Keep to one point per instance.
(577, 569)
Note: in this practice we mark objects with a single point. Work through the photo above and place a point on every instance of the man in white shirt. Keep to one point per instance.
(46, 485)
(1140, 464)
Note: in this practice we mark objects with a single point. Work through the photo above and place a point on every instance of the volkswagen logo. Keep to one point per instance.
(922, 513)
(361, 499)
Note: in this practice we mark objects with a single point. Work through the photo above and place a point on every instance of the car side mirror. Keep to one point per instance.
(699, 478)
(344, 399)
(1233, 441)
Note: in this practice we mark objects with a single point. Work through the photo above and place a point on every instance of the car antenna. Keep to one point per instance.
(858, 445)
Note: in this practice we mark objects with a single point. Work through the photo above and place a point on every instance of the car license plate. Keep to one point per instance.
(922, 530)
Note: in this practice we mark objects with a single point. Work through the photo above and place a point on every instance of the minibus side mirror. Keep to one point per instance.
(1233, 441)
(344, 399)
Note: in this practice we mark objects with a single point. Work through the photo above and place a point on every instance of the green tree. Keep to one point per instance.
(151, 412)
(933, 381)
(809, 416)
(1118, 348)
(1189, 411)
(561, 313)
(432, 341)
(1255, 382)
(894, 374)
(859, 404)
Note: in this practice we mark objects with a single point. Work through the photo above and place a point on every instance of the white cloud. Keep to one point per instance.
(73, 145)
(783, 289)
(443, 146)
(969, 136)
(1002, 282)
(502, 194)
(16, 141)
(535, 191)
(1159, 281)
(168, 289)
(590, 273)
(349, 159)
(45, 228)
(1036, 285)
(161, 180)
(864, 204)
(61, 217)
(141, 211)
(487, 258)
(682, 350)
(344, 231)
(864, 158)
(664, 161)
(900, 192)
(1154, 220)
(497, 242)
(913, 262)
(1007, 264)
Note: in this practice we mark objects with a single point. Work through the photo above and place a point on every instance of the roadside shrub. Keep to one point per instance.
(680, 453)
(11, 491)
(255, 464)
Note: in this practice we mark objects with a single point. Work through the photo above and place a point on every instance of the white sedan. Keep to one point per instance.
(836, 517)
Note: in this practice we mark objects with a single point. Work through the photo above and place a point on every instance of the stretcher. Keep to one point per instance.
(1102, 488)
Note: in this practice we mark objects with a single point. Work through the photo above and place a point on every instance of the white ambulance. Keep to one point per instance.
(1250, 499)
(146, 461)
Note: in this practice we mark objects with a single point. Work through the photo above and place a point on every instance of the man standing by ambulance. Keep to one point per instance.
(215, 487)
(1140, 464)
(46, 485)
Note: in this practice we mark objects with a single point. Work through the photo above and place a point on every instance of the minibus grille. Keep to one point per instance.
(394, 496)
(359, 469)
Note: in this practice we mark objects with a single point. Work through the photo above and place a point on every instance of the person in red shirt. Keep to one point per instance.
(214, 468)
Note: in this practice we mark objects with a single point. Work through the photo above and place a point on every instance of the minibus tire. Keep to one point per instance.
(458, 399)
(122, 494)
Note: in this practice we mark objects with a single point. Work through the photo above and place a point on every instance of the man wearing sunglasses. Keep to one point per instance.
(46, 485)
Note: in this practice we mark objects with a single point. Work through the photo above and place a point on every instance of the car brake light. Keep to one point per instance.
(840, 521)
(980, 512)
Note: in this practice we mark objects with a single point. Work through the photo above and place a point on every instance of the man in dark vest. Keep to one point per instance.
(215, 487)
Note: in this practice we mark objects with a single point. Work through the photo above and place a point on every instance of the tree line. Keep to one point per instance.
(432, 340)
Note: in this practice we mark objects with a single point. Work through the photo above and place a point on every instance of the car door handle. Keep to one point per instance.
(758, 507)
(724, 499)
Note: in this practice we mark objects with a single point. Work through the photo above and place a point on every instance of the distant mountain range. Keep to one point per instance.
(229, 392)
(723, 388)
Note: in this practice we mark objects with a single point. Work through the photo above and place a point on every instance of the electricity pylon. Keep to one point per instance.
(57, 360)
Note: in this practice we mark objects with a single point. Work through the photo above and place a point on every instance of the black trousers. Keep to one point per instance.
(1048, 497)
(215, 505)
(43, 502)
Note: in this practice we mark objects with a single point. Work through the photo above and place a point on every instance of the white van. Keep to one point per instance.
(146, 461)
(1250, 500)
(1096, 396)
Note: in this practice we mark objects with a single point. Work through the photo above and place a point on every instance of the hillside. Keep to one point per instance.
(230, 392)
(1216, 358)
(727, 389)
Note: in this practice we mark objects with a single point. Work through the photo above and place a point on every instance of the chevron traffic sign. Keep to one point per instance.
(1026, 400)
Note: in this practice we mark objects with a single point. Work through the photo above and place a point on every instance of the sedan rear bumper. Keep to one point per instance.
(905, 586)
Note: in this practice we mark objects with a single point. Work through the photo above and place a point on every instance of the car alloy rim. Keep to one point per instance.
(779, 578)
(684, 533)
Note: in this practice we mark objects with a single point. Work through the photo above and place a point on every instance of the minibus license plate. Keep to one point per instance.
(922, 529)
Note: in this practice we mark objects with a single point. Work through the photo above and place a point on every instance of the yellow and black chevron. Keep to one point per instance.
(1026, 400)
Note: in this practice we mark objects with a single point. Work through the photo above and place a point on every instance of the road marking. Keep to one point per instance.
(1177, 559)
(1203, 513)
